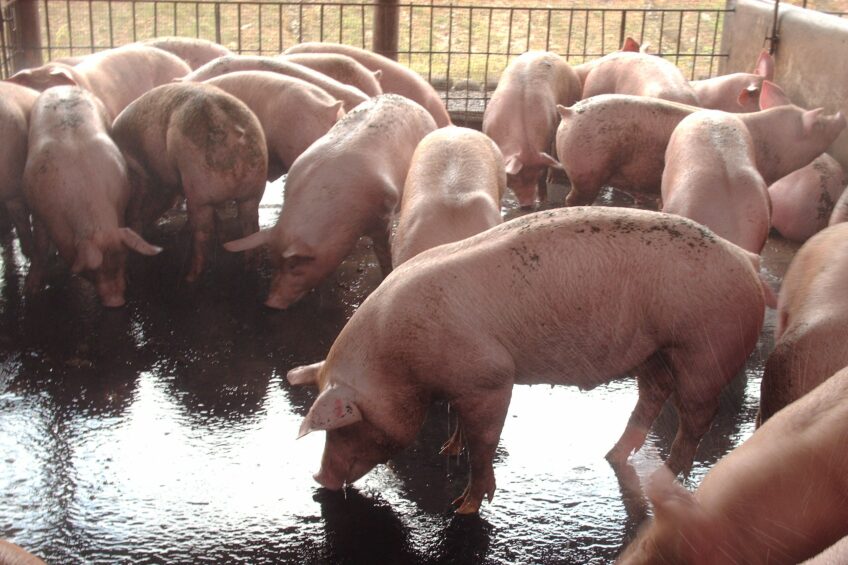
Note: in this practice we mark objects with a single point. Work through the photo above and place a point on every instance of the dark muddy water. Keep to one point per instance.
(164, 432)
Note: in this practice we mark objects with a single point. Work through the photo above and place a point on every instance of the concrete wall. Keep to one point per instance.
(811, 61)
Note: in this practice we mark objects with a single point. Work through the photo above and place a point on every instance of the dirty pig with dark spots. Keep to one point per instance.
(197, 140)
(529, 302)
(76, 185)
(345, 185)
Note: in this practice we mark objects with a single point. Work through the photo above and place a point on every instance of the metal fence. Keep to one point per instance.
(460, 49)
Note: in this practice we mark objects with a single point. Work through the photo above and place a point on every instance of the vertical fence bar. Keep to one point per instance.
(217, 22)
(623, 29)
(47, 30)
(70, 29)
(91, 25)
(25, 14)
(111, 26)
(695, 48)
(386, 23)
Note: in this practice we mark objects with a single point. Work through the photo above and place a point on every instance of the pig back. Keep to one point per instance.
(581, 295)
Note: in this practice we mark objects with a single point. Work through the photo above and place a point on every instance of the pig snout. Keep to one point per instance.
(283, 293)
(524, 190)
(111, 292)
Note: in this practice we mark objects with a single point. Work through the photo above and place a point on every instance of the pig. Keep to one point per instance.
(812, 321)
(11, 554)
(528, 302)
(840, 210)
(521, 117)
(193, 50)
(836, 554)
(15, 105)
(76, 185)
(639, 74)
(394, 77)
(452, 191)
(280, 103)
(197, 140)
(116, 76)
(803, 200)
(349, 95)
(711, 177)
(736, 92)
(779, 498)
(342, 68)
(582, 70)
(621, 140)
(345, 185)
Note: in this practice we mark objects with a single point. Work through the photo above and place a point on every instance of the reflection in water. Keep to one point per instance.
(164, 432)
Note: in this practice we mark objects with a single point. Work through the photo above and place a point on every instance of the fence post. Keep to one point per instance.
(386, 22)
(28, 51)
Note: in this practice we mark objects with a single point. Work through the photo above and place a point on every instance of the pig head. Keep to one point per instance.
(363, 428)
(736, 92)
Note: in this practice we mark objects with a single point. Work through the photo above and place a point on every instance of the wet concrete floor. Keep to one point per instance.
(164, 432)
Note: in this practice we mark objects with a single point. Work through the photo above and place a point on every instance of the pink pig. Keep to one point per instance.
(76, 185)
(279, 103)
(342, 68)
(453, 191)
(640, 74)
(711, 177)
(194, 51)
(521, 117)
(779, 498)
(15, 105)
(345, 185)
(840, 210)
(394, 77)
(582, 70)
(621, 140)
(527, 302)
(350, 95)
(197, 140)
(812, 326)
(11, 554)
(803, 200)
(116, 76)
(736, 92)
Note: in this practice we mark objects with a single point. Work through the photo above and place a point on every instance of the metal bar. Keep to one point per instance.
(695, 51)
(111, 26)
(155, 20)
(47, 30)
(386, 23)
(715, 39)
(238, 36)
(679, 36)
(91, 25)
(279, 28)
(623, 28)
(197, 19)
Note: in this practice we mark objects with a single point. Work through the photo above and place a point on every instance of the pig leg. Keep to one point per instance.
(19, 214)
(248, 217)
(453, 446)
(655, 385)
(542, 186)
(38, 260)
(695, 412)
(582, 193)
(202, 222)
(482, 418)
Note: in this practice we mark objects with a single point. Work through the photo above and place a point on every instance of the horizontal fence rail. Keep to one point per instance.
(460, 49)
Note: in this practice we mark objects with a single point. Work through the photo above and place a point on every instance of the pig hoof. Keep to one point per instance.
(617, 457)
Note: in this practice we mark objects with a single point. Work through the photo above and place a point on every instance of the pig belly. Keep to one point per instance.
(561, 362)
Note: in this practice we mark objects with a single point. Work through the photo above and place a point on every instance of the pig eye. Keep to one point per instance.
(297, 261)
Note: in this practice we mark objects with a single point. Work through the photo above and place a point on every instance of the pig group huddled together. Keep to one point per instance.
(471, 305)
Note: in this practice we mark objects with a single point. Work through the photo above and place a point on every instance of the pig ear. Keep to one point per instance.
(772, 96)
(810, 118)
(338, 110)
(64, 75)
(563, 111)
(747, 94)
(668, 497)
(513, 165)
(334, 408)
(254, 240)
(137, 243)
(378, 74)
(21, 77)
(550, 161)
(630, 44)
(765, 65)
(305, 375)
(89, 257)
